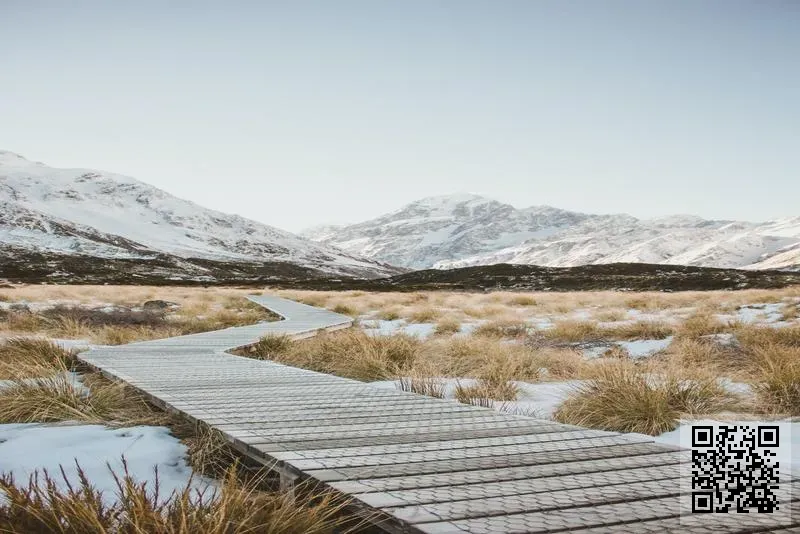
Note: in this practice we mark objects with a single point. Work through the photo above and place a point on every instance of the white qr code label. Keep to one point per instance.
(737, 467)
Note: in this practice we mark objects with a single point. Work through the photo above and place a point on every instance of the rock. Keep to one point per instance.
(160, 305)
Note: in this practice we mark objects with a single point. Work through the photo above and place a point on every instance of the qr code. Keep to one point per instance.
(735, 468)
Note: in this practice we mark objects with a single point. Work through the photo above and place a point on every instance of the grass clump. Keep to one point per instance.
(574, 331)
(345, 309)
(390, 314)
(501, 329)
(485, 392)
(623, 399)
(447, 326)
(638, 330)
(424, 315)
(778, 378)
(32, 357)
(422, 385)
(270, 345)
(354, 354)
(60, 398)
(49, 505)
(208, 452)
(522, 300)
(700, 324)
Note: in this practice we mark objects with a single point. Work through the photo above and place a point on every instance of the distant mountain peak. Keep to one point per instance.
(466, 229)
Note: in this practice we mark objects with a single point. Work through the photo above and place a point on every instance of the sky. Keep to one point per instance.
(298, 113)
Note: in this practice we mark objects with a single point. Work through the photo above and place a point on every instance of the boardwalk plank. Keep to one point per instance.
(424, 465)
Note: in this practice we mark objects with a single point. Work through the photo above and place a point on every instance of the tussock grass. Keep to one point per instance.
(345, 309)
(790, 311)
(32, 357)
(623, 399)
(422, 385)
(700, 324)
(119, 325)
(485, 312)
(560, 363)
(574, 331)
(447, 326)
(522, 300)
(486, 392)
(354, 354)
(270, 345)
(638, 330)
(390, 314)
(208, 452)
(778, 382)
(502, 329)
(21, 321)
(41, 505)
(610, 316)
(616, 352)
(424, 315)
(57, 398)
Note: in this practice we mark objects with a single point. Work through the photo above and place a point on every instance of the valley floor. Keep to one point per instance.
(626, 361)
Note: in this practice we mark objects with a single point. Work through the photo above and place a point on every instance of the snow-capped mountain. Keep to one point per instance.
(466, 230)
(439, 228)
(107, 215)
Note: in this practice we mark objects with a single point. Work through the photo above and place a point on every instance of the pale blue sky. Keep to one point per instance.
(297, 113)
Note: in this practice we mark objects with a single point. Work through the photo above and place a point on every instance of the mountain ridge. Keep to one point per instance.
(108, 215)
(452, 231)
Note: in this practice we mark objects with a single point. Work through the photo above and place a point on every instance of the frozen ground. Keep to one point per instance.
(379, 327)
(25, 448)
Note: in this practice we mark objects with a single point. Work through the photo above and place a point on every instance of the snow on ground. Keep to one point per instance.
(25, 448)
(639, 348)
(400, 326)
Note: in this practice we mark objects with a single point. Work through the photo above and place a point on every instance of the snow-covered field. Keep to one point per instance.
(99, 451)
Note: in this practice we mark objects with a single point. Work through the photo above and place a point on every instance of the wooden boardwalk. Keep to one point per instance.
(424, 465)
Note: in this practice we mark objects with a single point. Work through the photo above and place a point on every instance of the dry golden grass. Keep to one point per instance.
(207, 451)
(354, 354)
(125, 325)
(447, 326)
(345, 309)
(637, 330)
(58, 398)
(778, 385)
(616, 352)
(502, 329)
(574, 331)
(31, 358)
(521, 300)
(41, 505)
(422, 385)
(623, 399)
(390, 314)
(425, 314)
(609, 315)
(790, 311)
(486, 392)
(269, 346)
(701, 324)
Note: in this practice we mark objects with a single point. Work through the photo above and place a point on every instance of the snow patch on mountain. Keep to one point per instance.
(104, 214)
(467, 230)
